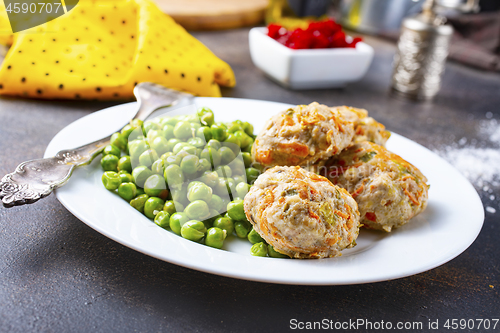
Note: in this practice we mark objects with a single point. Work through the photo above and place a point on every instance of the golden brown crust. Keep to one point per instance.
(389, 190)
(365, 128)
(302, 135)
(301, 214)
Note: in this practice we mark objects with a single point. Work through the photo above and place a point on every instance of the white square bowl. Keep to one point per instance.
(310, 68)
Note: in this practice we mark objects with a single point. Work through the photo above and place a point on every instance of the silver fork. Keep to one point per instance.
(36, 179)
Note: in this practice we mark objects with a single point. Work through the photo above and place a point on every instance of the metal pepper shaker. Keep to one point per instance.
(422, 50)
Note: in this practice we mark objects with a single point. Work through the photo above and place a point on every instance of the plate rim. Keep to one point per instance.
(257, 278)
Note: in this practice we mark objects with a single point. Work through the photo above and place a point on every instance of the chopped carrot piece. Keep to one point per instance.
(294, 148)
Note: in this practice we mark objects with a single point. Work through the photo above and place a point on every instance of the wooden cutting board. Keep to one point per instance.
(214, 14)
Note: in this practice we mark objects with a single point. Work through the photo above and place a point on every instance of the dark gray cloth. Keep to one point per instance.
(476, 40)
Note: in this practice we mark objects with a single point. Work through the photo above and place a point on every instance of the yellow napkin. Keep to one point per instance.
(102, 49)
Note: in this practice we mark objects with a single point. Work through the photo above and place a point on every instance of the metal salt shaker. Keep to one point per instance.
(422, 50)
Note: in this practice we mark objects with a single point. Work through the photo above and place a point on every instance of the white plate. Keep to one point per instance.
(452, 221)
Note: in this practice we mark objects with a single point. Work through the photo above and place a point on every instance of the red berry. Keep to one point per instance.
(338, 40)
(356, 40)
(321, 42)
(273, 30)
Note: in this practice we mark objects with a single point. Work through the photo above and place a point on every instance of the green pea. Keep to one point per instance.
(150, 125)
(236, 210)
(259, 250)
(191, 150)
(204, 165)
(226, 155)
(247, 149)
(169, 121)
(177, 220)
(196, 142)
(204, 133)
(109, 163)
(239, 179)
(178, 147)
(172, 143)
(155, 186)
(224, 171)
(148, 158)
(206, 116)
(182, 130)
(127, 130)
(254, 237)
(182, 154)
(242, 189)
(193, 183)
(248, 128)
(125, 177)
(224, 223)
(199, 191)
(194, 127)
(225, 201)
(173, 175)
(160, 145)
(162, 219)
(209, 222)
(168, 132)
(139, 202)
(111, 149)
(127, 191)
(237, 165)
(136, 134)
(125, 164)
(247, 159)
(215, 144)
(233, 127)
(211, 155)
(179, 193)
(252, 174)
(250, 143)
(192, 118)
(118, 140)
(158, 167)
(244, 139)
(193, 230)
(242, 228)
(140, 174)
(153, 134)
(167, 154)
(216, 203)
(111, 180)
(153, 206)
(225, 187)
(136, 123)
(170, 207)
(275, 254)
(173, 159)
(190, 164)
(218, 132)
(231, 138)
(211, 178)
(140, 191)
(197, 209)
(215, 237)
(136, 148)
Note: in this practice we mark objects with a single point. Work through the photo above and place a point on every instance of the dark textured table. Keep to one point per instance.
(57, 274)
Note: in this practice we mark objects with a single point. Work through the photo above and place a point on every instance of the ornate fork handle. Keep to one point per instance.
(36, 179)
